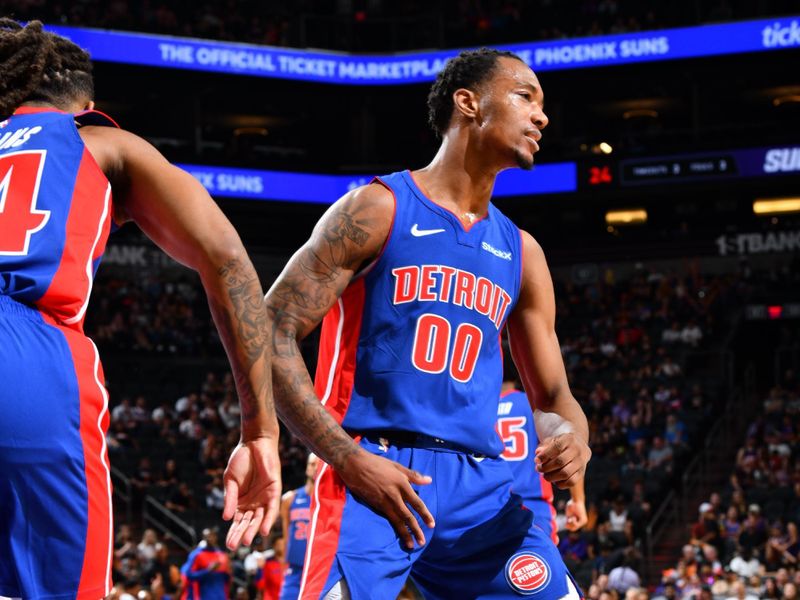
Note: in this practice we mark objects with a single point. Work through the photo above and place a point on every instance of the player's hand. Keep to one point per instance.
(562, 459)
(386, 486)
(576, 515)
(252, 482)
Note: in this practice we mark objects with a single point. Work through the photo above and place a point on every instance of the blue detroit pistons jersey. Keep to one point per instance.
(299, 516)
(55, 214)
(517, 429)
(413, 343)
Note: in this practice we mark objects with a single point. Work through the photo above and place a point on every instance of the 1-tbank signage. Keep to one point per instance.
(251, 184)
(416, 67)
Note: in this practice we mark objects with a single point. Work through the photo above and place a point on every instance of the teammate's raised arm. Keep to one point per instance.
(563, 451)
(349, 236)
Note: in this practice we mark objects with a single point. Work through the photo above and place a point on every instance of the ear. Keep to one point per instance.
(89, 105)
(466, 103)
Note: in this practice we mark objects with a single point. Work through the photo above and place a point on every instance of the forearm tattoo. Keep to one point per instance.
(245, 332)
(303, 294)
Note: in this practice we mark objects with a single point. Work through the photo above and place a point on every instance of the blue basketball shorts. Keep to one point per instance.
(484, 545)
(55, 492)
(290, 589)
(544, 516)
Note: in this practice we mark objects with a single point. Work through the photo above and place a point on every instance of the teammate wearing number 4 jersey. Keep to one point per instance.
(57, 173)
(295, 516)
(416, 274)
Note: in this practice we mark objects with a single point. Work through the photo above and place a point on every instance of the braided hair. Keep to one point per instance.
(39, 66)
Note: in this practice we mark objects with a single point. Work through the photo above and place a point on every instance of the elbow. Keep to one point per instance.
(225, 252)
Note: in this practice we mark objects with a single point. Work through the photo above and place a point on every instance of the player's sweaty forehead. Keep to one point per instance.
(512, 73)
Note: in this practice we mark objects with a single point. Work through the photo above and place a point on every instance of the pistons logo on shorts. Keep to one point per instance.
(527, 573)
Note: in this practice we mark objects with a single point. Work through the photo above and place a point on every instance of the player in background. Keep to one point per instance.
(68, 176)
(515, 424)
(416, 275)
(206, 574)
(295, 517)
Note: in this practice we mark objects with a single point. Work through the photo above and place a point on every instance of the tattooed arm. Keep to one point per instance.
(176, 212)
(350, 235)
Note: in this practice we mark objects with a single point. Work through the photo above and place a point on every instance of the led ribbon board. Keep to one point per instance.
(251, 184)
(730, 164)
(418, 67)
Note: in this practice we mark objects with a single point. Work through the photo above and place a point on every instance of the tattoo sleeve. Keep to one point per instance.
(309, 286)
(241, 318)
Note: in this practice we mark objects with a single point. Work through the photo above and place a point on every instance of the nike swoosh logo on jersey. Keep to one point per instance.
(416, 232)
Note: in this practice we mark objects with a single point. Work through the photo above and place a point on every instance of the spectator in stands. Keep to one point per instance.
(124, 544)
(636, 429)
(144, 476)
(636, 458)
(668, 592)
(790, 591)
(744, 563)
(754, 531)
(191, 427)
(707, 529)
(668, 368)
(675, 432)
(229, 412)
(164, 577)
(139, 411)
(181, 499)
(169, 476)
(624, 577)
(147, 548)
(660, 456)
(162, 412)
(691, 334)
(739, 592)
(184, 404)
(621, 527)
(673, 334)
(215, 496)
(782, 546)
(574, 549)
(769, 589)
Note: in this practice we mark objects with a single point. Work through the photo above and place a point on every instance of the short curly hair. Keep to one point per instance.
(467, 70)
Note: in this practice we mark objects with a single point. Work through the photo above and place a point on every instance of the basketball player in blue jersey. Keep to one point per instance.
(415, 276)
(295, 517)
(63, 187)
(515, 424)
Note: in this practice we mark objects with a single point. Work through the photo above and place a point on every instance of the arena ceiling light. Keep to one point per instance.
(599, 148)
(632, 216)
(774, 206)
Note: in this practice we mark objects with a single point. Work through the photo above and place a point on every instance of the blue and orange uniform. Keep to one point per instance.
(516, 427)
(55, 490)
(205, 574)
(299, 517)
(410, 364)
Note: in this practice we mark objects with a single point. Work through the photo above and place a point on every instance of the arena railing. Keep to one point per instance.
(169, 524)
(123, 490)
(670, 515)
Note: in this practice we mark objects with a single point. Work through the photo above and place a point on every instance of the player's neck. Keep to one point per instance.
(309, 487)
(458, 179)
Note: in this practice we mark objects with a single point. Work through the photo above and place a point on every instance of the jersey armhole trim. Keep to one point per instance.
(366, 270)
(521, 265)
